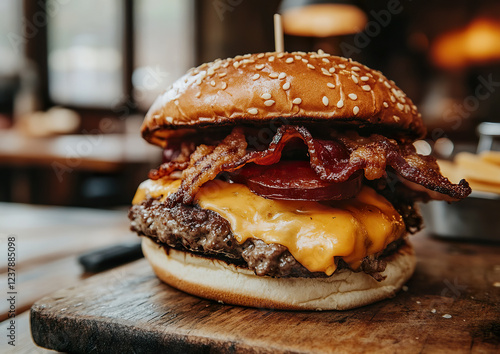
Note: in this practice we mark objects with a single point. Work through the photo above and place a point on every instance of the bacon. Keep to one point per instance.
(334, 160)
(417, 172)
(206, 163)
(177, 159)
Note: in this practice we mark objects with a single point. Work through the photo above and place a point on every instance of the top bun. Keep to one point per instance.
(301, 87)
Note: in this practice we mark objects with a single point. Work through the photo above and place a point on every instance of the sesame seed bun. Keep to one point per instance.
(216, 280)
(300, 87)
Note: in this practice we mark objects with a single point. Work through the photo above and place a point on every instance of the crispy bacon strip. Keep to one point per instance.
(333, 160)
(178, 160)
(207, 162)
(420, 173)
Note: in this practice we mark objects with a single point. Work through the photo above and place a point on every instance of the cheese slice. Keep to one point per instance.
(314, 232)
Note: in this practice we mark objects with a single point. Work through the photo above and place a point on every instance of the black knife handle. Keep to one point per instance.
(110, 257)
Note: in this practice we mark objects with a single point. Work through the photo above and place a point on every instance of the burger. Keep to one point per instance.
(289, 181)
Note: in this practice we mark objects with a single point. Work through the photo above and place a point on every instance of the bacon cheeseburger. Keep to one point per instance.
(288, 182)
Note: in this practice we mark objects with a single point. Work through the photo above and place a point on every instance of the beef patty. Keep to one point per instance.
(206, 233)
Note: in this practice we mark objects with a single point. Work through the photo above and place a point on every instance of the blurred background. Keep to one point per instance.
(77, 76)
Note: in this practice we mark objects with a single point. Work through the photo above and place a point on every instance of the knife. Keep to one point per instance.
(111, 256)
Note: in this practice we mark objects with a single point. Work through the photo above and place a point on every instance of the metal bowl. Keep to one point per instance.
(477, 217)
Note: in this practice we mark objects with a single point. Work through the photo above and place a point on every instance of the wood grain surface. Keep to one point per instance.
(48, 242)
(129, 310)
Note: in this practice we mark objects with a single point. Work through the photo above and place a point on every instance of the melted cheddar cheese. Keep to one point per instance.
(313, 232)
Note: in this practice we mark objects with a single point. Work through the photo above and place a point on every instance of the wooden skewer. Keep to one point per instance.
(278, 34)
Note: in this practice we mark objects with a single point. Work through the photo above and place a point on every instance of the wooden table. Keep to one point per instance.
(48, 241)
(129, 306)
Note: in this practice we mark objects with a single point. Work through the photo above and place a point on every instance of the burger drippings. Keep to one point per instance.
(334, 160)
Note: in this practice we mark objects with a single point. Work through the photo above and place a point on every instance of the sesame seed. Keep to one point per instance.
(289, 60)
(326, 60)
(366, 87)
(269, 103)
(332, 69)
(355, 79)
(210, 71)
(355, 110)
(340, 104)
(280, 55)
(261, 55)
(255, 77)
(387, 84)
(259, 66)
(225, 65)
(393, 99)
(342, 66)
(297, 101)
(396, 118)
(446, 315)
(222, 74)
(273, 75)
(385, 104)
(286, 86)
(305, 61)
(364, 78)
(224, 85)
(310, 66)
(198, 81)
(302, 53)
(212, 83)
(236, 64)
(330, 85)
(198, 94)
(298, 57)
(266, 96)
(433, 311)
(253, 110)
(400, 106)
(169, 119)
(355, 68)
(271, 58)
(325, 72)
(281, 76)
(321, 52)
(325, 100)
(176, 102)
(353, 96)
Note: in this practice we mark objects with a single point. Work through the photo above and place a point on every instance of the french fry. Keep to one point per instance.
(477, 169)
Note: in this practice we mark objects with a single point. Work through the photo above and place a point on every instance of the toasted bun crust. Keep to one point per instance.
(216, 280)
(300, 87)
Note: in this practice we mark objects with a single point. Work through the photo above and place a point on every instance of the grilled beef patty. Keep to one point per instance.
(204, 232)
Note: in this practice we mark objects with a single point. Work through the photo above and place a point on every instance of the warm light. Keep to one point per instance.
(477, 43)
(323, 20)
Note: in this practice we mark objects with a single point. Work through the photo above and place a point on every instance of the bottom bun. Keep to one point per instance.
(216, 280)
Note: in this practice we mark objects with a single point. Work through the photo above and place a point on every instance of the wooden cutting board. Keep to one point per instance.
(129, 310)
